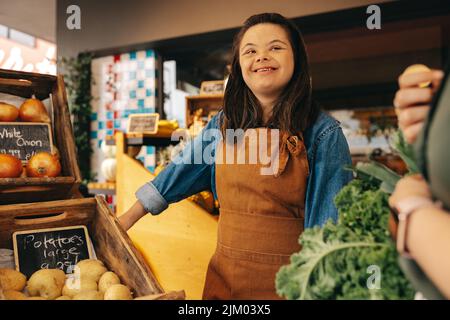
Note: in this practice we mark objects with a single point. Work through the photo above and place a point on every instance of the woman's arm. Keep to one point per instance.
(428, 233)
(188, 174)
(428, 240)
(327, 176)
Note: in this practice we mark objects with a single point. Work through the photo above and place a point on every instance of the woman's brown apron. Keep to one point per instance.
(261, 219)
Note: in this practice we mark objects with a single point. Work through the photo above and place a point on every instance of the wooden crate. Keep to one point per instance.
(111, 243)
(18, 190)
(207, 102)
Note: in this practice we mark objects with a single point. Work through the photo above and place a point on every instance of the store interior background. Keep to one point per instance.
(152, 56)
(179, 44)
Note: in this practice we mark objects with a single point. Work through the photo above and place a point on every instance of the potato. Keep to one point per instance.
(89, 295)
(71, 288)
(63, 298)
(118, 292)
(107, 280)
(47, 283)
(36, 298)
(92, 269)
(11, 279)
(14, 295)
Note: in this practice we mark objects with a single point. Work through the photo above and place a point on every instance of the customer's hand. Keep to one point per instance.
(129, 218)
(412, 102)
(413, 186)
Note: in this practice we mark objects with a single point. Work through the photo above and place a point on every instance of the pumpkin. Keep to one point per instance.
(108, 169)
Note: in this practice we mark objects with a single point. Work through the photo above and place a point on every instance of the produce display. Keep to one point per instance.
(166, 127)
(46, 283)
(10, 166)
(43, 164)
(8, 112)
(90, 281)
(354, 258)
(12, 280)
(33, 110)
(40, 165)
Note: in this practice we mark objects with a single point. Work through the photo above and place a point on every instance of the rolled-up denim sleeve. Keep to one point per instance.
(187, 174)
(327, 177)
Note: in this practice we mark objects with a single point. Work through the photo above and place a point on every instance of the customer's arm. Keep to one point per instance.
(428, 233)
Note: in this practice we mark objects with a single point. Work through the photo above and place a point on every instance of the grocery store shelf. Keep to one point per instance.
(138, 139)
(106, 188)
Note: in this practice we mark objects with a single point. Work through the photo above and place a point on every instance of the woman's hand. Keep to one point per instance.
(412, 102)
(413, 186)
(129, 218)
(409, 192)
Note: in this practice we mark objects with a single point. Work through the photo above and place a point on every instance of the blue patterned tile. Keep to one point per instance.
(150, 150)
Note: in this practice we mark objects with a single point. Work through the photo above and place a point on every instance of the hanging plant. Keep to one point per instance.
(78, 80)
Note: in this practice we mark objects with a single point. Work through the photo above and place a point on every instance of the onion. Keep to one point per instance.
(43, 164)
(33, 110)
(8, 112)
(10, 166)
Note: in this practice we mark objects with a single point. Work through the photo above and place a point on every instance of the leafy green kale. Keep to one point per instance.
(337, 260)
(354, 258)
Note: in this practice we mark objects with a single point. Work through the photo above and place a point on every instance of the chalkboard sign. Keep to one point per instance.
(143, 123)
(23, 140)
(56, 248)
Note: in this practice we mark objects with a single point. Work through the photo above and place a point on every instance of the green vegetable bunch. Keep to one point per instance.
(354, 258)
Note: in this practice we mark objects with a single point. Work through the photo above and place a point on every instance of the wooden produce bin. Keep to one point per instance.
(111, 244)
(207, 102)
(19, 190)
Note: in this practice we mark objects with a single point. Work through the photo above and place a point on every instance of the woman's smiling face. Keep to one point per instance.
(266, 59)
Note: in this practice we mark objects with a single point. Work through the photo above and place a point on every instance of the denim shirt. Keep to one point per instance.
(327, 151)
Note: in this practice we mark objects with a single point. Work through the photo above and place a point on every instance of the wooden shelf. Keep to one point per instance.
(206, 96)
(206, 102)
(107, 188)
(145, 139)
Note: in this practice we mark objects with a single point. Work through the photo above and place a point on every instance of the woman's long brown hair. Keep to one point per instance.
(295, 109)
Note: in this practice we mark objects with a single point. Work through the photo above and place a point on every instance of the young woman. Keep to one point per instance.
(269, 91)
